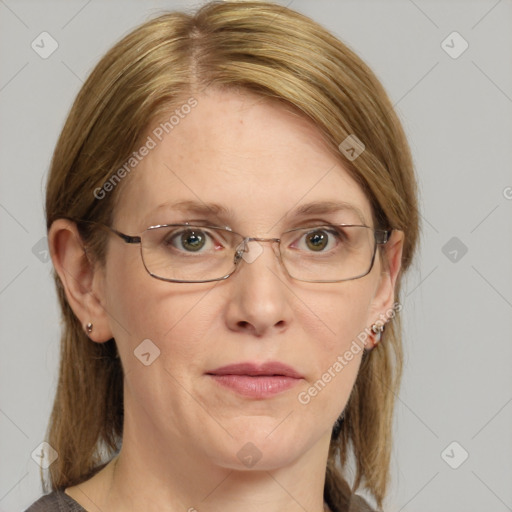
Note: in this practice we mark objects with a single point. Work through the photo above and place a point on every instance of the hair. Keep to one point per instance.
(280, 55)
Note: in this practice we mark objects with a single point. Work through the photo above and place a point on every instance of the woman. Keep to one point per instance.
(230, 208)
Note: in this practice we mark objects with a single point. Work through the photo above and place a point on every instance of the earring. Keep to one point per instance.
(377, 329)
(88, 328)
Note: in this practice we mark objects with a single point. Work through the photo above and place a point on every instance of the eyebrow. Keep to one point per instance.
(313, 208)
(197, 207)
(323, 207)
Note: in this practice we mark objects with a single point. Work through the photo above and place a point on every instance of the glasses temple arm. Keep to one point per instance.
(126, 238)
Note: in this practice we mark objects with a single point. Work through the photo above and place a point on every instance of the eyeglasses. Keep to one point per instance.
(188, 253)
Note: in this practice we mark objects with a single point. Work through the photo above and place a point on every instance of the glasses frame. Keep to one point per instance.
(381, 237)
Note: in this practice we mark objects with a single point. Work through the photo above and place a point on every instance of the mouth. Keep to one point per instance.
(256, 380)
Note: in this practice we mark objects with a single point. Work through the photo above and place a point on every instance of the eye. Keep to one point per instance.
(319, 240)
(191, 240)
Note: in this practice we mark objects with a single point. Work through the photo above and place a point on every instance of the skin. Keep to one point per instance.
(182, 431)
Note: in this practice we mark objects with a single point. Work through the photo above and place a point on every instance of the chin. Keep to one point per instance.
(256, 450)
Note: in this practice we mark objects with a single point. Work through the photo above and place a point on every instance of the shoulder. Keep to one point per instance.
(57, 501)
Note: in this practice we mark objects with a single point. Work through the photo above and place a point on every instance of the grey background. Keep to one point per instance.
(457, 307)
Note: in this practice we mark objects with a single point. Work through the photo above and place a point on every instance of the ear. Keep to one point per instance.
(384, 297)
(82, 282)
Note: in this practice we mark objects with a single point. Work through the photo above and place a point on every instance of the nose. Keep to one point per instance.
(259, 300)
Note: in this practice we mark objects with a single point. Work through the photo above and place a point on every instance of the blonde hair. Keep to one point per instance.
(278, 54)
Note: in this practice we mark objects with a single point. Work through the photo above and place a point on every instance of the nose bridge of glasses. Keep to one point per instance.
(259, 239)
(248, 254)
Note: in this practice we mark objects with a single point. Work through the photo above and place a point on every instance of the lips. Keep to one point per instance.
(256, 381)
(272, 368)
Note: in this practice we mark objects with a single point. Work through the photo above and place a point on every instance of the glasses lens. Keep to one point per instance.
(189, 253)
(328, 253)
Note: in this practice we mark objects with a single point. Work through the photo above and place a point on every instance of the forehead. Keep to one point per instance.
(242, 157)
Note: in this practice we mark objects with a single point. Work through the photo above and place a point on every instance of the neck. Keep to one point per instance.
(201, 487)
(160, 473)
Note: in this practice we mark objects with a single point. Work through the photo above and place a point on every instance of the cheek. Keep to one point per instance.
(334, 320)
(342, 313)
(173, 316)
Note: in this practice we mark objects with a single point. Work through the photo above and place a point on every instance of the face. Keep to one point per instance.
(260, 163)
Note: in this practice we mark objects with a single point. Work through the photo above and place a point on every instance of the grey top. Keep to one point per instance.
(59, 501)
